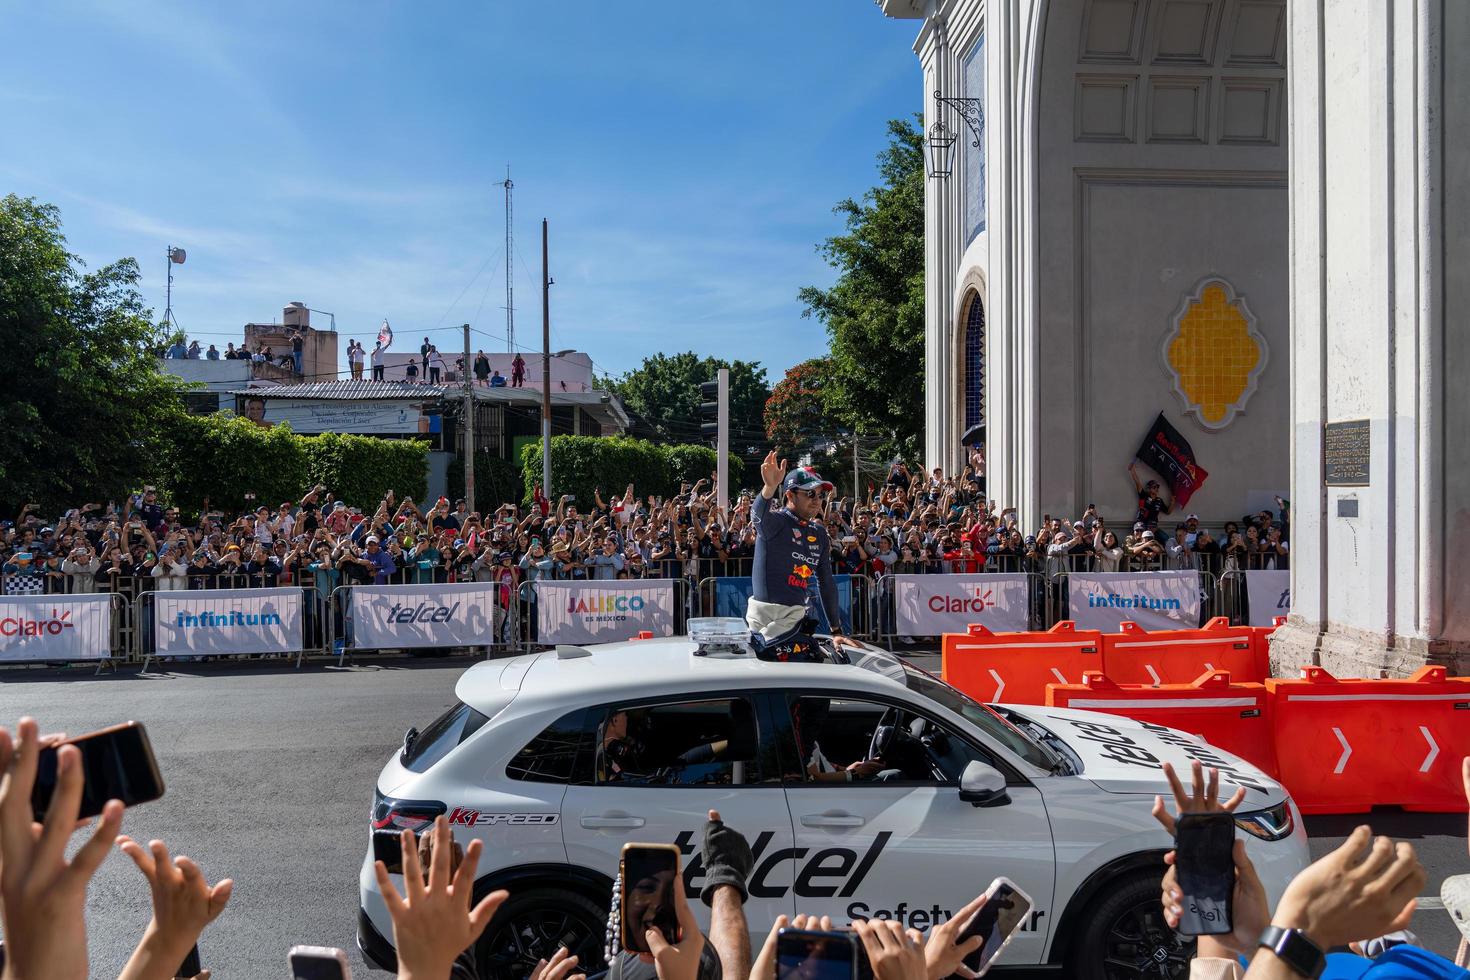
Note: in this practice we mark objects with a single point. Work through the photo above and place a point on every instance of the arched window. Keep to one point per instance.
(975, 363)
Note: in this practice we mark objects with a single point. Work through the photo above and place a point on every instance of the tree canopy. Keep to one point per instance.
(82, 421)
(664, 392)
(874, 312)
(796, 412)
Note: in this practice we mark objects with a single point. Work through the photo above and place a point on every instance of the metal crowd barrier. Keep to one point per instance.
(505, 636)
(886, 613)
(705, 600)
(526, 621)
(1057, 598)
(315, 639)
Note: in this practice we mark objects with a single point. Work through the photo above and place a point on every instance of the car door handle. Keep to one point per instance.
(612, 823)
(832, 820)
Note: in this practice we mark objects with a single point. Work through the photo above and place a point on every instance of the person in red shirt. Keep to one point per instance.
(964, 561)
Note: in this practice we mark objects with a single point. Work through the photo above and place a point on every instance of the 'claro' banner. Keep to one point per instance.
(404, 616)
(54, 627)
(1153, 600)
(215, 621)
(928, 605)
(603, 612)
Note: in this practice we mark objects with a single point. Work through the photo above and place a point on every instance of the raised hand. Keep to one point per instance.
(893, 952)
(1357, 892)
(1250, 908)
(1204, 799)
(676, 961)
(942, 955)
(559, 967)
(772, 473)
(183, 904)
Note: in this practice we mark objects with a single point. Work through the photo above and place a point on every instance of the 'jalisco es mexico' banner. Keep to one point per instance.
(1269, 595)
(1153, 600)
(54, 627)
(927, 605)
(391, 616)
(604, 612)
(211, 621)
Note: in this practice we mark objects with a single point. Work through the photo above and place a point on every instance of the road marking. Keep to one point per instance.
(1433, 749)
(1347, 750)
(1000, 685)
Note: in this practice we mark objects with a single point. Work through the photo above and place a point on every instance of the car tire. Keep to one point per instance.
(530, 926)
(1123, 935)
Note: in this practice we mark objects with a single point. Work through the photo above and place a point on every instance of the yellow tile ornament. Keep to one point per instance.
(1214, 353)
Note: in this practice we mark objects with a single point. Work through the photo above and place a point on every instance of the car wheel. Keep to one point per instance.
(1124, 936)
(532, 924)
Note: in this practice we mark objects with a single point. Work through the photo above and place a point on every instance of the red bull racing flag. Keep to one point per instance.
(1170, 455)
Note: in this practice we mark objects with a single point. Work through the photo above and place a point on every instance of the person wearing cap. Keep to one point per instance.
(791, 551)
(382, 562)
(1150, 503)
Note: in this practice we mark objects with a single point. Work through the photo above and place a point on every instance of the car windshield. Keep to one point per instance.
(981, 716)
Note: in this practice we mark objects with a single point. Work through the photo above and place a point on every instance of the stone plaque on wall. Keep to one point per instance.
(1345, 453)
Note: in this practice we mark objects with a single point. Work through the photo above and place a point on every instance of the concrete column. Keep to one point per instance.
(942, 197)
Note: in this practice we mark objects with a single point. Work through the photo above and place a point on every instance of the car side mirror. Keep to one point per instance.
(982, 785)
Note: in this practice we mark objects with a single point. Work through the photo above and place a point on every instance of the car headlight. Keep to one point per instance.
(1272, 824)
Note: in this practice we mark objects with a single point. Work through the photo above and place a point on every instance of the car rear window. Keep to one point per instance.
(436, 741)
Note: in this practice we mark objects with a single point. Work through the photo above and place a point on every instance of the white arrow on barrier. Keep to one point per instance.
(1152, 673)
(1433, 749)
(1209, 666)
(1058, 675)
(1347, 750)
(1000, 685)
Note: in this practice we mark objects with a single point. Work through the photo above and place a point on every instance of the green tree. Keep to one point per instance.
(796, 412)
(83, 421)
(874, 312)
(664, 392)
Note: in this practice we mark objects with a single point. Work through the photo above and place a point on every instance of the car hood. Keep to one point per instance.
(1121, 755)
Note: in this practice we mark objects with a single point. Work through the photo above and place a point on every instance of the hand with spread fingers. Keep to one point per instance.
(183, 904)
(559, 967)
(1366, 888)
(433, 921)
(943, 956)
(1204, 799)
(1250, 908)
(42, 894)
(893, 952)
(676, 961)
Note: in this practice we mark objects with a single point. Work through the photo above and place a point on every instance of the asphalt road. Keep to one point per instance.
(269, 776)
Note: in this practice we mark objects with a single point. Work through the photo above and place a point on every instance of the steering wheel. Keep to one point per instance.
(883, 733)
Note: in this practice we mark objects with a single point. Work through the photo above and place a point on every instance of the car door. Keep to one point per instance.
(661, 765)
(900, 843)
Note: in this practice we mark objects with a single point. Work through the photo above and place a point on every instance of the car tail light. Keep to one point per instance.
(415, 815)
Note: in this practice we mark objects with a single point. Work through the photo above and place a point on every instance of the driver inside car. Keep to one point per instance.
(809, 717)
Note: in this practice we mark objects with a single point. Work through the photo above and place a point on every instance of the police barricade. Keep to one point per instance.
(1015, 668)
(1236, 717)
(428, 616)
(1135, 655)
(728, 595)
(1172, 599)
(583, 611)
(935, 605)
(59, 628)
(225, 622)
(1346, 745)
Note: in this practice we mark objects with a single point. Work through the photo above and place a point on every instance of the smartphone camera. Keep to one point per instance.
(1005, 910)
(649, 872)
(808, 954)
(1205, 861)
(117, 764)
(318, 963)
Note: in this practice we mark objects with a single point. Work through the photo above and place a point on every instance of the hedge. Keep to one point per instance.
(497, 481)
(582, 464)
(223, 457)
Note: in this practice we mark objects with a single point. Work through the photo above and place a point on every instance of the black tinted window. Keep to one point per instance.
(692, 743)
(436, 741)
(550, 757)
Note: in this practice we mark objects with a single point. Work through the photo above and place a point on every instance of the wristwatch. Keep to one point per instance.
(1293, 948)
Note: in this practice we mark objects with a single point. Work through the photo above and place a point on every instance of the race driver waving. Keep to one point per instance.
(792, 568)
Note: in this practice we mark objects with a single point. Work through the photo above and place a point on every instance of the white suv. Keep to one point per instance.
(557, 759)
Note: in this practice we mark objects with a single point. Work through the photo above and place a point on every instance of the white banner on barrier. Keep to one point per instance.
(1269, 595)
(212, 621)
(928, 605)
(55, 627)
(1153, 600)
(604, 612)
(392, 616)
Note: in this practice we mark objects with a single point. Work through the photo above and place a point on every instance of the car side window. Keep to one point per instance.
(875, 742)
(711, 742)
(551, 757)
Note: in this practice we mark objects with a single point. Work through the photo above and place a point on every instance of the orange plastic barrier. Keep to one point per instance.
(1015, 668)
(1347, 745)
(1136, 656)
(1234, 717)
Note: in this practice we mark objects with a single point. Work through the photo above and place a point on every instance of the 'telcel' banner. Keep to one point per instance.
(1268, 594)
(54, 627)
(213, 621)
(928, 605)
(603, 612)
(1153, 600)
(393, 616)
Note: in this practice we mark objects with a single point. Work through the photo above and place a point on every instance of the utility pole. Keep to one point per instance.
(856, 490)
(545, 368)
(510, 285)
(722, 442)
(469, 428)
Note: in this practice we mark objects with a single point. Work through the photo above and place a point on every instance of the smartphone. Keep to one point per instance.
(1204, 859)
(807, 954)
(649, 873)
(318, 963)
(118, 764)
(190, 967)
(1006, 908)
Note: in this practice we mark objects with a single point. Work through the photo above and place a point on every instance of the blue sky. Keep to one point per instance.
(347, 155)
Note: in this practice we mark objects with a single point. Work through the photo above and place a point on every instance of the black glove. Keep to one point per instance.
(727, 860)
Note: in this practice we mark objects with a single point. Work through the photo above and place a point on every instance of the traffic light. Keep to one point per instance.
(709, 410)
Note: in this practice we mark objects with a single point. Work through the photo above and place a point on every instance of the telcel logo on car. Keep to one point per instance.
(424, 612)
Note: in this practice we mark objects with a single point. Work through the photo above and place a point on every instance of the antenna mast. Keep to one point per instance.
(510, 286)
